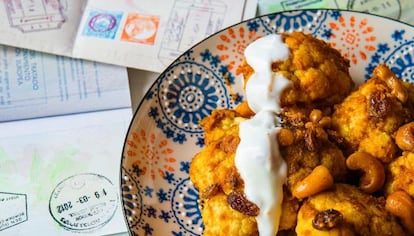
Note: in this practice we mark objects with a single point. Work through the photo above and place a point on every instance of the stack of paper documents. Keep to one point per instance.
(62, 126)
(146, 35)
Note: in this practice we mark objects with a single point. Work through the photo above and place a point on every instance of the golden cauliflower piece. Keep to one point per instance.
(345, 210)
(318, 72)
(301, 162)
(400, 174)
(213, 168)
(310, 148)
(220, 219)
(368, 117)
(215, 175)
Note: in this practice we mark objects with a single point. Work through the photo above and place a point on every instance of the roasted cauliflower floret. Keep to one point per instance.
(220, 219)
(345, 210)
(400, 174)
(368, 117)
(213, 168)
(318, 72)
(309, 146)
(301, 161)
(214, 174)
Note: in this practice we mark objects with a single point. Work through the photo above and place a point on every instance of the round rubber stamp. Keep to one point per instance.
(102, 22)
(83, 202)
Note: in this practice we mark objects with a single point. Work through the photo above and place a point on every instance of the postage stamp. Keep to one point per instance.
(13, 209)
(140, 28)
(35, 15)
(102, 24)
(84, 202)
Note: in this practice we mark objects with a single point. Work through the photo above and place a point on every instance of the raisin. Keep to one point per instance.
(238, 201)
(335, 137)
(311, 141)
(379, 105)
(326, 220)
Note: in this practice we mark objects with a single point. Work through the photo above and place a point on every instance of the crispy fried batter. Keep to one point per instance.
(368, 117)
(360, 214)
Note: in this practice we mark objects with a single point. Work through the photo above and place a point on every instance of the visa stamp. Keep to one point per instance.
(102, 24)
(13, 209)
(390, 8)
(84, 202)
(35, 15)
(140, 28)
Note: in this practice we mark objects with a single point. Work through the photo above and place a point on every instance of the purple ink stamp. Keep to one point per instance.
(36, 15)
(102, 24)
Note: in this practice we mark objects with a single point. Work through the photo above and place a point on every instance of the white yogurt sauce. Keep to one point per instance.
(258, 158)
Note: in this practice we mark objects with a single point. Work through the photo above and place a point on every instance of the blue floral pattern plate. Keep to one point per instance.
(157, 194)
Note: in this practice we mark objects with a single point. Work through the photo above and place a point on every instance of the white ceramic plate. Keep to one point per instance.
(157, 194)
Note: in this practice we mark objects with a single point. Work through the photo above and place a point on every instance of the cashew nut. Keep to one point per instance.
(373, 177)
(404, 137)
(401, 205)
(317, 181)
(396, 85)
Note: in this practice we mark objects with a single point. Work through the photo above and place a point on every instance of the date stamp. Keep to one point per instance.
(83, 202)
(13, 209)
(35, 15)
(102, 24)
(140, 28)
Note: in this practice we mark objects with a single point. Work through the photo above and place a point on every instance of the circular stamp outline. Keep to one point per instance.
(111, 24)
(85, 213)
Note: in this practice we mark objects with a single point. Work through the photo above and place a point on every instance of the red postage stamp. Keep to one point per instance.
(140, 28)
